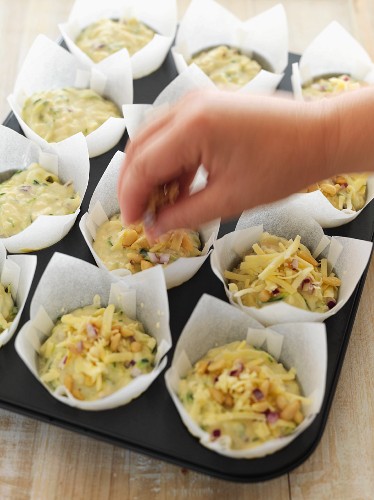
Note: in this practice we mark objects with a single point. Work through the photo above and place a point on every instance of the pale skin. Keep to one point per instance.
(256, 149)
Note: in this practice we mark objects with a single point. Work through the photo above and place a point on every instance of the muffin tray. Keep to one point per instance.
(151, 424)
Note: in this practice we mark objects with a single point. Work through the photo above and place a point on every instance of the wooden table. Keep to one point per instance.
(39, 461)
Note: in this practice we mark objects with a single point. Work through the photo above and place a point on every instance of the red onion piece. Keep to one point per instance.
(259, 395)
(79, 346)
(153, 258)
(331, 303)
(164, 258)
(91, 331)
(272, 417)
(237, 369)
(216, 433)
(295, 264)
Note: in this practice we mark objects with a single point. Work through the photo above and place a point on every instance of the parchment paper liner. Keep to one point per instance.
(207, 24)
(141, 297)
(333, 51)
(49, 66)
(160, 15)
(104, 204)
(68, 159)
(317, 206)
(300, 345)
(347, 256)
(18, 272)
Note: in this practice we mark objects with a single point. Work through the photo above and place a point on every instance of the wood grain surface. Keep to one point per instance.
(39, 461)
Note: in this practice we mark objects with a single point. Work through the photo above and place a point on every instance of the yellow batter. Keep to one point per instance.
(94, 351)
(8, 310)
(119, 247)
(329, 87)
(30, 193)
(228, 68)
(60, 113)
(107, 36)
(279, 269)
(243, 393)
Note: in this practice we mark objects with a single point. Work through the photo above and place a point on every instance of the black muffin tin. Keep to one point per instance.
(151, 424)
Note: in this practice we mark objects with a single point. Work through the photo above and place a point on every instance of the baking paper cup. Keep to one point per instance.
(207, 24)
(214, 323)
(317, 206)
(347, 257)
(68, 160)
(333, 51)
(141, 298)
(18, 272)
(49, 66)
(104, 204)
(159, 15)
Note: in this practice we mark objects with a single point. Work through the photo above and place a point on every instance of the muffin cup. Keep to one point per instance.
(159, 15)
(141, 298)
(68, 160)
(215, 323)
(317, 206)
(207, 24)
(18, 272)
(334, 51)
(48, 66)
(347, 257)
(104, 204)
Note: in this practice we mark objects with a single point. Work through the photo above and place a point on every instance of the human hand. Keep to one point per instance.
(256, 150)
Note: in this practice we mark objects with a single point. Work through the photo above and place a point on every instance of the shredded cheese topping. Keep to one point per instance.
(30, 193)
(344, 191)
(243, 394)
(94, 351)
(107, 36)
(119, 247)
(60, 113)
(280, 269)
(8, 310)
(228, 68)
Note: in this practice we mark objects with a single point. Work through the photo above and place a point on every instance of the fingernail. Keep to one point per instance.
(149, 219)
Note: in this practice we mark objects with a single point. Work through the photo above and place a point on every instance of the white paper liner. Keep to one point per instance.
(347, 257)
(207, 24)
(104, 204)
(18, 272)
(142, 298)
(49, 66)
(160, 15)
(317, 206)
(300, 345)
(333, 51)
(68, 160)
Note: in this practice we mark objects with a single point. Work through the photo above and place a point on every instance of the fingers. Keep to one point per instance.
(190, 212)
(165, 156)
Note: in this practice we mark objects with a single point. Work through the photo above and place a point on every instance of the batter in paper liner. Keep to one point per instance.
(127, 247)
(58, 114)
(8, 310)
(242, 394)
(346, 191)
(107, 36)
(94, 351)
(30, 193)
(330, 86)
(278, 269)
(227, 67)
